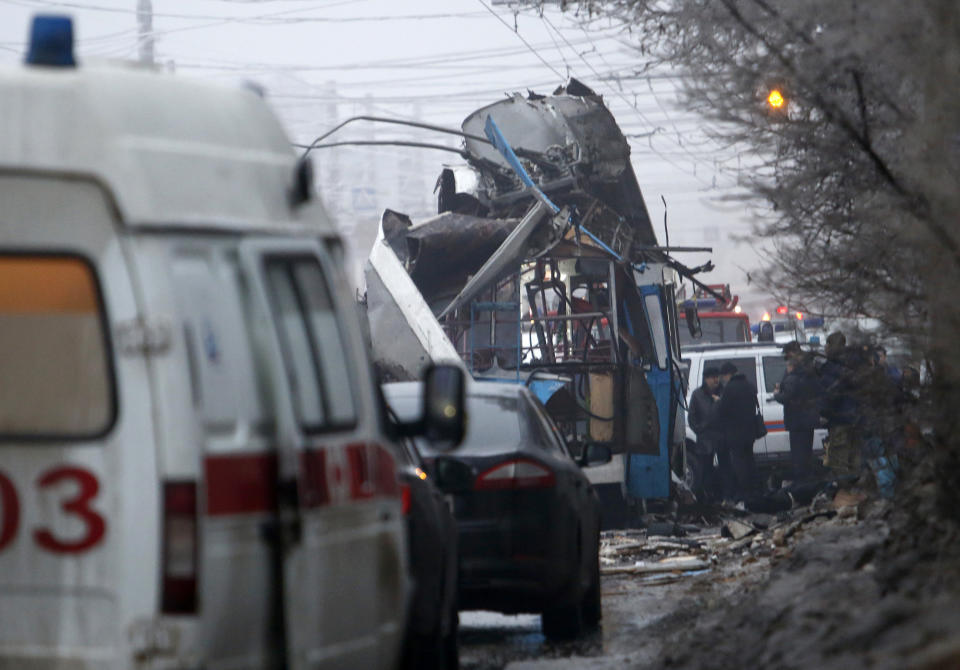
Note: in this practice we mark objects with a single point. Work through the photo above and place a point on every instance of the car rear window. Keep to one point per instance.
(748, 366)
(494, 423)
(55, 366)
(497, 422)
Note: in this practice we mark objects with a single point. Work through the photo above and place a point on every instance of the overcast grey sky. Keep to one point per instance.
(437, 60)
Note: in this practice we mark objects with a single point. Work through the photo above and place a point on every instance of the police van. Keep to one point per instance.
(193, 470)
(764, 366)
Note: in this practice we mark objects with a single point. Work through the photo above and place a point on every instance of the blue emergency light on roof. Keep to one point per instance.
(51, 41)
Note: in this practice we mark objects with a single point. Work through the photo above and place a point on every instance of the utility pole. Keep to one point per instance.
(145, 30)
(331, 184)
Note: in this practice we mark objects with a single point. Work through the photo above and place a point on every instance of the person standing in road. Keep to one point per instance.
(703, 421)
(799, 393)
(839, 405)
(736, 412)
(792, 349)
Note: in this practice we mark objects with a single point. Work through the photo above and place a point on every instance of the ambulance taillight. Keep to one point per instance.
(179, 569)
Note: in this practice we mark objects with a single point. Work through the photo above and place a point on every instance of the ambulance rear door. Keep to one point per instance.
(78, 487)
(338, 537)
(217, 449)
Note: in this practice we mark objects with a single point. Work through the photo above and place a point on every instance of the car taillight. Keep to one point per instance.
(516, 474)
(405, 498)
(179, 568)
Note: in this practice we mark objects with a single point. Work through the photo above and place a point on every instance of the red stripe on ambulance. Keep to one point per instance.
(241, 483)
(247, 483)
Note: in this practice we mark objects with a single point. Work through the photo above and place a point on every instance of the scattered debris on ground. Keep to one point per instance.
(853, 580)
(685, 550)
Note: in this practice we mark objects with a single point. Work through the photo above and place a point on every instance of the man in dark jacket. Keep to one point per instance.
(703, 421)
(799, 393)
(839, 405)
(736, 412)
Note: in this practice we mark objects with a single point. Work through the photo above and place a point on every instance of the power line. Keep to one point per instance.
(271, 18)
(267, 19)
(480, 95)
(599, 76)
(667, 115)
(622, 97)
(517, 33)
(263, 2)
(439, 61)
(559, 50)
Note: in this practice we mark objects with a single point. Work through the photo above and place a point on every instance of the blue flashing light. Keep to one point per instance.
(51, 41)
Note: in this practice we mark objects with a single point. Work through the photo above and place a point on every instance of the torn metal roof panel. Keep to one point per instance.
(448, 248)
(404, 334)
(571, 146)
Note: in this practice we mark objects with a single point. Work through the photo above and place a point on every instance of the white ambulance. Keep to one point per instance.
(193, 472)
(764, 366)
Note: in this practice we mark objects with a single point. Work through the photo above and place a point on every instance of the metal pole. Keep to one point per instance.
(519, 318)
(145, 31)
(614, 322)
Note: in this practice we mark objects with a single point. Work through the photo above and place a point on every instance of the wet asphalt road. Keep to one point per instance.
(491, 641)
(638, 613)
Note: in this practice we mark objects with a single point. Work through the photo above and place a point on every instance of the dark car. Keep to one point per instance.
(431, 637)
(528, 520)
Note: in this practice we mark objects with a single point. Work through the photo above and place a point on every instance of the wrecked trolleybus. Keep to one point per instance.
(548, 273)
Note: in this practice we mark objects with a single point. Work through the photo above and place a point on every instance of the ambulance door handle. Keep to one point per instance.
(287, 530)
(284, 525)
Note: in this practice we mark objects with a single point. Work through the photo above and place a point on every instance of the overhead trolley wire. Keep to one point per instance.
(667, 159)
(265, 18)
(438, 61)
(525, 42)
(649, 80)
(633, 106)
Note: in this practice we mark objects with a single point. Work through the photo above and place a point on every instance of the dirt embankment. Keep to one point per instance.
(878, 588)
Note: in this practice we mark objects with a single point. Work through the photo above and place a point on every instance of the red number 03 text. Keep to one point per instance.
(77, 506)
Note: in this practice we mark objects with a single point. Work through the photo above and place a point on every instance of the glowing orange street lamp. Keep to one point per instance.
(775, 99)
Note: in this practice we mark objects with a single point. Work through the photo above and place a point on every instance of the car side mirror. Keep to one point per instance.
(444, 416)
(452, 475)
(594, 454)
(693, 321)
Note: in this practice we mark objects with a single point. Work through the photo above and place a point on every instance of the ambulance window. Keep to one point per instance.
(774, 367)
(315, 355)
(747, 366)
(327, 339)
(55, 373)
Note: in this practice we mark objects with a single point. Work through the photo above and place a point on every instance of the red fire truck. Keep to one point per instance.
(720, 320)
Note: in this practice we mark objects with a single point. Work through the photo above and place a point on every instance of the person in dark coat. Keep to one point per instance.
(839, 405)
(736, 416)
(702, 417)
(799, 393)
